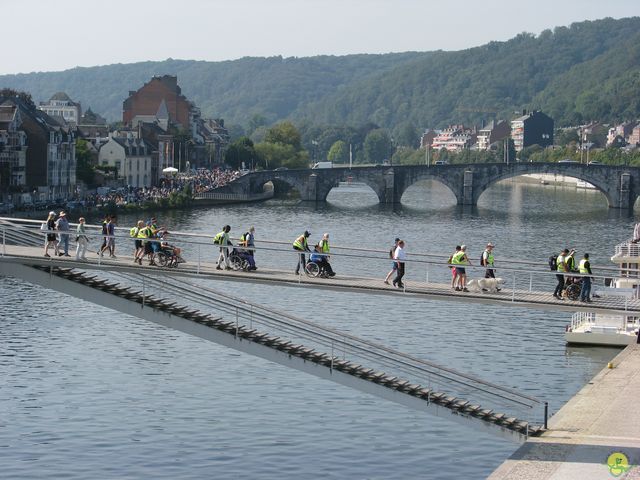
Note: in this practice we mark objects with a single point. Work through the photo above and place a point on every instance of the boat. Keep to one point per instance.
(589, 328)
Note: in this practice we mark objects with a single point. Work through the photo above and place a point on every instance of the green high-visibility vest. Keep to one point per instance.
(300, 243)
(560, 262)
(582, 266)
(489, 258)
(457, 258)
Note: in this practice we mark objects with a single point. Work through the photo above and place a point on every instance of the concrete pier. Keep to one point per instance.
(596, 435)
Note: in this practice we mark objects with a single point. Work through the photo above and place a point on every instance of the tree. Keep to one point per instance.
(377, 146)
(284, 133)
(256, 121)
(339, 152)
(84, 168)
(239, 152)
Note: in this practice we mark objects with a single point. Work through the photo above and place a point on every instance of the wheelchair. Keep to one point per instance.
(314, 269)
(237, 261)
(572, 291)
(167, 257)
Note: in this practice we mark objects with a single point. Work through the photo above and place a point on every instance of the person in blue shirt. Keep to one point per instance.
(321, 259)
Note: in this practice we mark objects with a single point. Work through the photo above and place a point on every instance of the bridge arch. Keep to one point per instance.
(447, 178)
(600, 185)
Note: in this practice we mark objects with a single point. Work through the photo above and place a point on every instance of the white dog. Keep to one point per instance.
(491, 285)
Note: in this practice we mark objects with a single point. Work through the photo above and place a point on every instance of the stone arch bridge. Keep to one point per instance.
(619, 184)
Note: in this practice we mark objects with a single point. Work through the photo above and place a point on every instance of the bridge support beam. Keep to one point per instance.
(389, 188)
(310, 193)
(467, 188)
(624, 192)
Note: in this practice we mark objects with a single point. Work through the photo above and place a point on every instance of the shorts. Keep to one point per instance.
(461, 270)
(111, 242)
(155, 247)
(394, 266)
(138, 244)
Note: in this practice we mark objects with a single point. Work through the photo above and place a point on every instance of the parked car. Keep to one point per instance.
(441, 162)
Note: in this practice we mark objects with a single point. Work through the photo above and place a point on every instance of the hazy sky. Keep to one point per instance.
(47, 35)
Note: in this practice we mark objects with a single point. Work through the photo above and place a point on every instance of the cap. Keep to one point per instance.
(463, 247)
(490, 244)
(397, 240)
(307, 233)
(52, 212)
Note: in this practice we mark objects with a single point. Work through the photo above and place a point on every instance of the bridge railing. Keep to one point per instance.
(352, 262)
(343, 346)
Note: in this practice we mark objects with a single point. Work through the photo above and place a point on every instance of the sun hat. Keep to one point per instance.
(490, 244)
(52, 212)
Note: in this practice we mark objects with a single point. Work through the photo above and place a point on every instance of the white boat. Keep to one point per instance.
(598, 329)
(606, 329)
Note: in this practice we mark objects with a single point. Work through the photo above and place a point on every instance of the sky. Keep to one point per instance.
(48, 35)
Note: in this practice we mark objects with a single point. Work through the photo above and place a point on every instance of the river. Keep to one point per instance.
(88, 393)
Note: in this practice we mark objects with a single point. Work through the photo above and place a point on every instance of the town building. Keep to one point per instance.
(92, 127)
(532, 128)
(133, 158)
(160, 102)
(60, 105)
(454, 138)
(494, 131)
(619, 135)
(50, 159)
(427, 138)
(634, 137)
(13, 148)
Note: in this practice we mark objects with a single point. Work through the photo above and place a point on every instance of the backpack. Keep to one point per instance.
(483, 260)
(553, 263)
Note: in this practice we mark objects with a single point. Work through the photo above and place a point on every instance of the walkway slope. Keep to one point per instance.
(601, 420)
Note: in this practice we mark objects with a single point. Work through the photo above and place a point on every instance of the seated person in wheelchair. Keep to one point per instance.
(245, 241)
(322, 260)
(171, 251)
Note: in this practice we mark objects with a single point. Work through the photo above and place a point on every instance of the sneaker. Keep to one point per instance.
(218, 267)
(465, 289)
(67, 255)
(47, 255)
(227, 268)
(386, 282)
(60, 254)
(458, 289)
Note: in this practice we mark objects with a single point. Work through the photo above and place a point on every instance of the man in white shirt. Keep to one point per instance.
(400, 256)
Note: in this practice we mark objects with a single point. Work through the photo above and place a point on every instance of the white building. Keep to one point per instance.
(133, 159)
(60, 105)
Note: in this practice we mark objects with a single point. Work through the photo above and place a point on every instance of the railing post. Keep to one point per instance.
(236, 335)
(427, 274)
(198, 271)
(513, 292)
(331, 367)
(4, 229)
(143, 292)
(530, 281)
(546, 414)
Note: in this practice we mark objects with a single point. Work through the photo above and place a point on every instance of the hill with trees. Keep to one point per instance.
(587, 71)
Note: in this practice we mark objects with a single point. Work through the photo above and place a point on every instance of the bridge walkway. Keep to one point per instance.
(508, 296)
(277, 336)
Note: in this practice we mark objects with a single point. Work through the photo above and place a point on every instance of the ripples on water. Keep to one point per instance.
(88, 393)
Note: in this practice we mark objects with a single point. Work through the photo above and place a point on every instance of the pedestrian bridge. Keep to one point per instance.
(620, 184)
(182, 299)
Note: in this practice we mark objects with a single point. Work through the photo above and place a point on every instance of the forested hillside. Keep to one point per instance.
(589, 70)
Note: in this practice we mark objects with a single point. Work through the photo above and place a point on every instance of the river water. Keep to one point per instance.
(88, 393)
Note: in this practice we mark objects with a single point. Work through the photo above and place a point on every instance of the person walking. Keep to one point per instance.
(81, 240)
(104, 235)
(400, 256)
(585, 269)
(454, 271)
(561, 269)
(62, 225)
(459, 260)
(394, 264)
(301, 245)
(138, 247)
(222, 239)
(487, 261)
(51, 240)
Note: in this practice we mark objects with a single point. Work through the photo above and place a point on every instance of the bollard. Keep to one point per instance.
(546, 414)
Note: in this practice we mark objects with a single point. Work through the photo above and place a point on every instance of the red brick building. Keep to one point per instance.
(146, 102)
